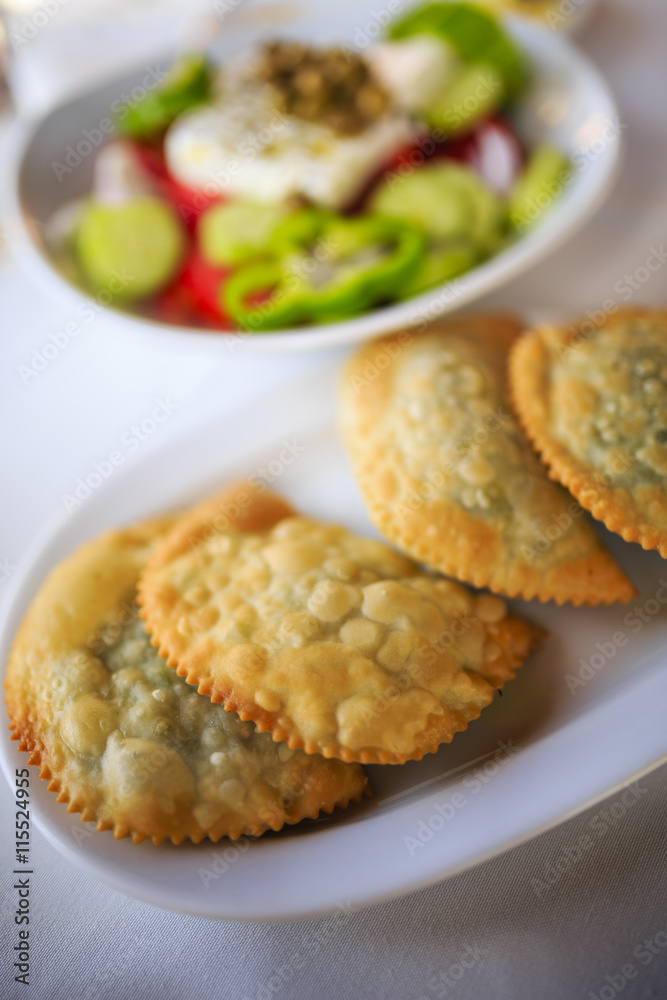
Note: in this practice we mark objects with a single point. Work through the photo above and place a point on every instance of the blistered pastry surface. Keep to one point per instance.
(333, 642)
(594, 400)
(124, 739)
(448, 475)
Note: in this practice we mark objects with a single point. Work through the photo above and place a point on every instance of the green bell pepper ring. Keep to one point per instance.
(365, 261)
(354, 264)
(188, 83)
(259, 297)
(299, 230)
(441, 262)
(474, 33)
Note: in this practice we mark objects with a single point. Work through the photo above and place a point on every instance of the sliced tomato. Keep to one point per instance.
(172, 306)
(189, 203)
(413, 154)
(203, 281)
(194, 298)
(492, 149)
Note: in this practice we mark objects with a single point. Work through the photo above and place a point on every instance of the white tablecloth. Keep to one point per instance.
(597, 928)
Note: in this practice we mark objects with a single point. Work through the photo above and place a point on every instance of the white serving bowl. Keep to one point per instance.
(568, 104)
(569, 16)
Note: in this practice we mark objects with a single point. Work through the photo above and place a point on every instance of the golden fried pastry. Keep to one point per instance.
(594, 402)
(334, 643)
(126, 742)
(448, 476)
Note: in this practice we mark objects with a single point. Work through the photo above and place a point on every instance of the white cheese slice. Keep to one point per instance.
(414, 71)
(244, 147)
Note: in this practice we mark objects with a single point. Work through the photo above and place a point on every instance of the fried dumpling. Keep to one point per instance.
(334, 643)
(594, 402)
(448, 476)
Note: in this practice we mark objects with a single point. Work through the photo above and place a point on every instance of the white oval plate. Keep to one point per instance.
(569, 104)
(538, 755)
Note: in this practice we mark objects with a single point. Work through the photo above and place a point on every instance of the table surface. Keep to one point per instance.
(598, 926)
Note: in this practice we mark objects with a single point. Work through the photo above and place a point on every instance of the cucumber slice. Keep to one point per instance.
(542, 181)
(234, 232)
(475, 93)
(130, 249)
(187, 84)
(475, 34)
(441, 263)
(447, 201)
